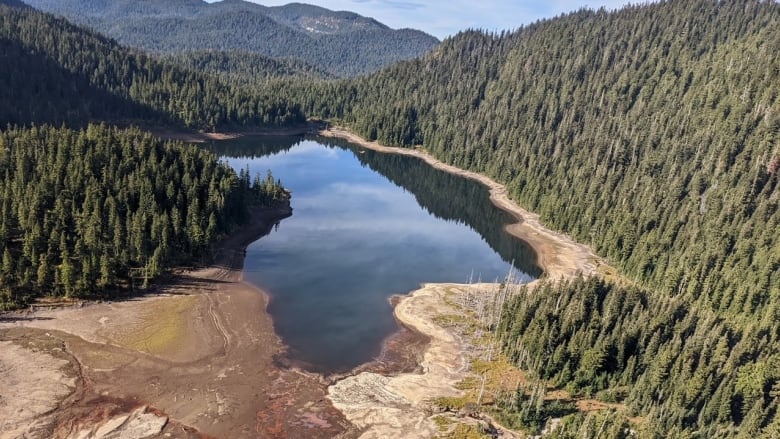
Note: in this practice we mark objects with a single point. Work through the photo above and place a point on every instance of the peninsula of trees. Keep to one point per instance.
(86, 212)
(89, 210)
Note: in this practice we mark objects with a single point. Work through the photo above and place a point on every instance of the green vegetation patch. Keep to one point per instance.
(163, 328)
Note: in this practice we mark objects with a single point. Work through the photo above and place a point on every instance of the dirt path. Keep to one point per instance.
(202, 353)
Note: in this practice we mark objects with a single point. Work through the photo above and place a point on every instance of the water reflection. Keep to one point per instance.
(365, 226)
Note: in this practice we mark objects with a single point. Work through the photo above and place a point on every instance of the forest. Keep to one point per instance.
(652, 134)
(247, 69)
(55, 72)
(340, 43)
(683, 370)
(92, 212)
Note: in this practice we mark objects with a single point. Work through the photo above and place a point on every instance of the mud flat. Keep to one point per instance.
(196, 359)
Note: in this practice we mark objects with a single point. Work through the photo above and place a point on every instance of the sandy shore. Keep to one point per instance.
(400, 405)
(558, 254)
(196, 360)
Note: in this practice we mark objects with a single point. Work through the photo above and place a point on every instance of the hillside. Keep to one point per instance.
(56, 72)
(651, 133)
(341, 43)
(90, 212)
(244, 68)
(13, 3)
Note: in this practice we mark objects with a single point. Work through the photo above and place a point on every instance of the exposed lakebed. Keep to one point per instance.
(365, 226)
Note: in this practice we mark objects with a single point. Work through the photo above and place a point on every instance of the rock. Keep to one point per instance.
(137, 425)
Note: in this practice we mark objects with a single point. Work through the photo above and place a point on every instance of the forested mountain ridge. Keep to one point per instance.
(651, 133)
(245, 68)
(343, 43)
(55, 72)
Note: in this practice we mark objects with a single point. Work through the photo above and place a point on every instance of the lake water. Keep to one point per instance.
(365, 226)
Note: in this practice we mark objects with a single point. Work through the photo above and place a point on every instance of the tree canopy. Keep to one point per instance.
(83, 212)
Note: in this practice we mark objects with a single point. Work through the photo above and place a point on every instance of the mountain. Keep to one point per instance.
(317, 20)
(342, 43)
(13, 3)
(651, 133)
(55, 72)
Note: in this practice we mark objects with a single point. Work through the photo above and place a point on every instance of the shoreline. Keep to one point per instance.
(395, 406)
(202, 137)
(398, 405)
(196, 359)
(558, 254)
(229, 359)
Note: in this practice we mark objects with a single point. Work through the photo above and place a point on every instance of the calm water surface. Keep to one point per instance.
(365, 226)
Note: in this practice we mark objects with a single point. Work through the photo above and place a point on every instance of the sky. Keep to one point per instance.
(443, 18)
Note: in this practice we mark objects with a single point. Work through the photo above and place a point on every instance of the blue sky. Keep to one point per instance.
(442, 18)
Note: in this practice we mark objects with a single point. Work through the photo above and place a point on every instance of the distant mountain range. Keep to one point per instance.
(341, 43)
(13, 3)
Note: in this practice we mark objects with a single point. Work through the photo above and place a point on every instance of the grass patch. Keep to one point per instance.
(449, 320)
(500, 376)
(453, 403)
(453, 429)
(443, 423)
(163, 328)
(468, 431)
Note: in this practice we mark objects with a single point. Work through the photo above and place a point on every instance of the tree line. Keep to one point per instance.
(84, 213)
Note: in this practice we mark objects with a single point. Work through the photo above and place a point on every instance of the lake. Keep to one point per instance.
(365, 226)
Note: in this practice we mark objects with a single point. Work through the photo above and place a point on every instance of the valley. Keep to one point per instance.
(621, 164)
